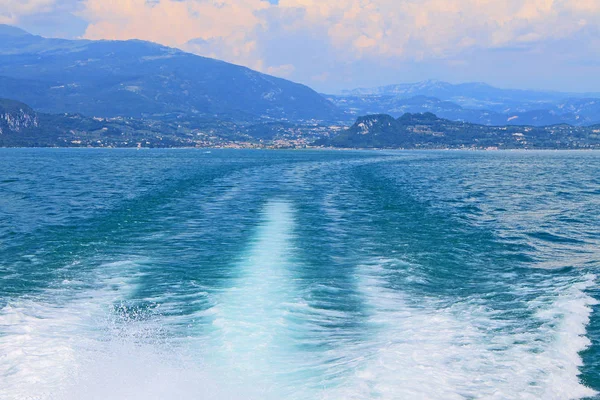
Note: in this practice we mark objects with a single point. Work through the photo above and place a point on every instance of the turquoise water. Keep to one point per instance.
(183, 274)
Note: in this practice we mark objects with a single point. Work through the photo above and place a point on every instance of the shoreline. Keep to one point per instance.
(297, 149)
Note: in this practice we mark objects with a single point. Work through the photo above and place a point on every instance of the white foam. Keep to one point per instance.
(62, 346)
(67, 345)
(462, 351)
(41, 338)
(251, 335)
(56, 356)
(89, 345)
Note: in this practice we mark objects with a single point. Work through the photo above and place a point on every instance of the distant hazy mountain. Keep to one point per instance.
(578, 112)
(473, 102)
(473, 95)
(135, 78)
(428, 131)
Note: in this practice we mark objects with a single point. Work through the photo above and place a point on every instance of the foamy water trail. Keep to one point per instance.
(82, 340)
(251, 339)
(69, 344)
(94, 345)
(435, 352)
(42, 339)
(85, 341)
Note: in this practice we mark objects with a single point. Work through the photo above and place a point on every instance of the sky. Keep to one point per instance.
(333, 45)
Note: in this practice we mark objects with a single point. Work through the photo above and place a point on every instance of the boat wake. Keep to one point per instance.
(96, 344)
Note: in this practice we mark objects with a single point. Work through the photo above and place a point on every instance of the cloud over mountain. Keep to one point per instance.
(345, 33)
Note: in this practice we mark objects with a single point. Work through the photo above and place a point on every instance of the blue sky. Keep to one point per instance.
(342, 44)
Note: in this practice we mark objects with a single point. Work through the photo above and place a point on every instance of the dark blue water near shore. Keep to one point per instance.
(228, 274)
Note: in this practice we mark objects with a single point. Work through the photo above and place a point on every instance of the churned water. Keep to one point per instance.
(181, 274)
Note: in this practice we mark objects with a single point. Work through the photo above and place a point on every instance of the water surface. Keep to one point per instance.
(301, 275)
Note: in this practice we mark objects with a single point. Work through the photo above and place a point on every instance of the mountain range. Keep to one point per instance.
(136, 93)
(473, 102)
(141, 79)
(474, 95)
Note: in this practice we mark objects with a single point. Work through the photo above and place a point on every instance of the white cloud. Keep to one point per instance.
(282, 71)
(223, 29)
(355, 29)
(440, 28)
(12, 10)
(255, 33)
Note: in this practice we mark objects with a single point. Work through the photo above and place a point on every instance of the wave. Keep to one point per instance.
(95, 343)
(466, 350)
(266, 340)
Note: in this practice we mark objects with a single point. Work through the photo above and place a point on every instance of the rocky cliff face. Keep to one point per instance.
(16, 117)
